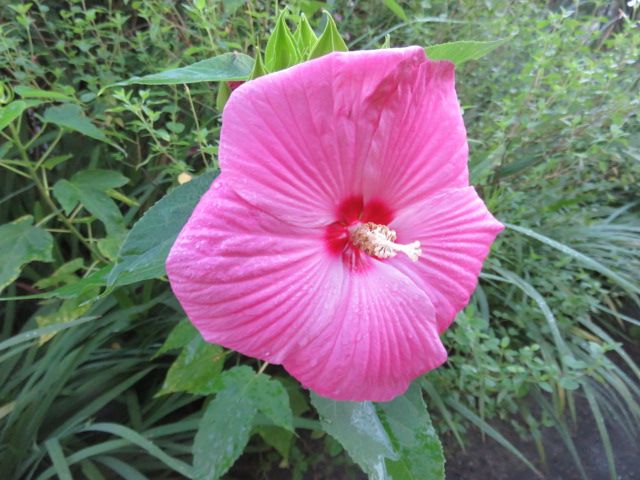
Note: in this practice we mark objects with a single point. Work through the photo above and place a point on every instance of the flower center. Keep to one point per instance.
(380, 241)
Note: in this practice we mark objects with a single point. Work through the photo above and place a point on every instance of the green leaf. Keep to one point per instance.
(222, 68)
(21, 243)
(396, 9)
(460, 52)
(223, 433)
(281, 51)
(329, 41)
(276, 437)
(145, 249)
(72, 117)
(224, 92)
(258, 67)
(180, 336)
(30, 92)
(10, 112)
(272, 400)
(304, 36)
(196, 369)
(81, 287)
(357, 427)
(227, 423)
(89, 188)
(412, 434)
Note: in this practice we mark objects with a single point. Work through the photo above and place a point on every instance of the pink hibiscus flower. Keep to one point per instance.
(342, 236)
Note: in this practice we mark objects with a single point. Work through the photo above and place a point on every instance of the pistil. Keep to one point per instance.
(380, 241)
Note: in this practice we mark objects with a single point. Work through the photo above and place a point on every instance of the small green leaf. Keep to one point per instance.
(329, 41)
(196, 369)
(408, 424)
(10, 112)
(276, 437)
(272, 400)
(180, 336)
(30, 92)
(89, 188)
(72, 117)
(224, 92)
(358, 429)
(460, 52)
(281, 51)
(21, 243)
(258, 67)
(396, 9)
(145, 249)
(304, 36)
(222, 68)
(569, 383)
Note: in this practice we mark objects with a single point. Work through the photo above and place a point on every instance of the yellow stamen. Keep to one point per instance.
(379, 241)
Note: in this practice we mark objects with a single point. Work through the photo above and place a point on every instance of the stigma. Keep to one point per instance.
(380, 241)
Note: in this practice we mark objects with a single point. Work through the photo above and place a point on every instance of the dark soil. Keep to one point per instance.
(487, 460)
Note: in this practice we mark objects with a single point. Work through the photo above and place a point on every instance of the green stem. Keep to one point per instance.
(195, 119)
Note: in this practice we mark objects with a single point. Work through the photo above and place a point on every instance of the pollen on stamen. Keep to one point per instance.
(380, 241)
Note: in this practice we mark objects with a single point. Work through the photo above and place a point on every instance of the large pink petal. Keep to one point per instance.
(383, 336)
(421, 143)
(250, 282)
(295, 142)
(456, 232)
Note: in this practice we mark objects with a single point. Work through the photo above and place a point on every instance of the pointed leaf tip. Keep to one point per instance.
(281, 51)
(329, 41)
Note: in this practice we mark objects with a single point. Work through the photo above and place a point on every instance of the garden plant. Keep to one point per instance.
(250, 239)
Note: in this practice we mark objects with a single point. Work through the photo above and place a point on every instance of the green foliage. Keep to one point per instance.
(281, 51)
(145, 249)
(226, 425)
(389, 440)
(21, 243)
(71, 116)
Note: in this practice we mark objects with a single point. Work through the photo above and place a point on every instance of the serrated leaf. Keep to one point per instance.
(272, 400)
(222, 68)
(196, 369)
(463, 51)
(72, 117)
(21, 243)
(281, 51)
(225, 427)
(11, 112)
(304, 36)
(413, 437)
(223, 433)
(329, 41)
(358, 429)
(145, 249)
